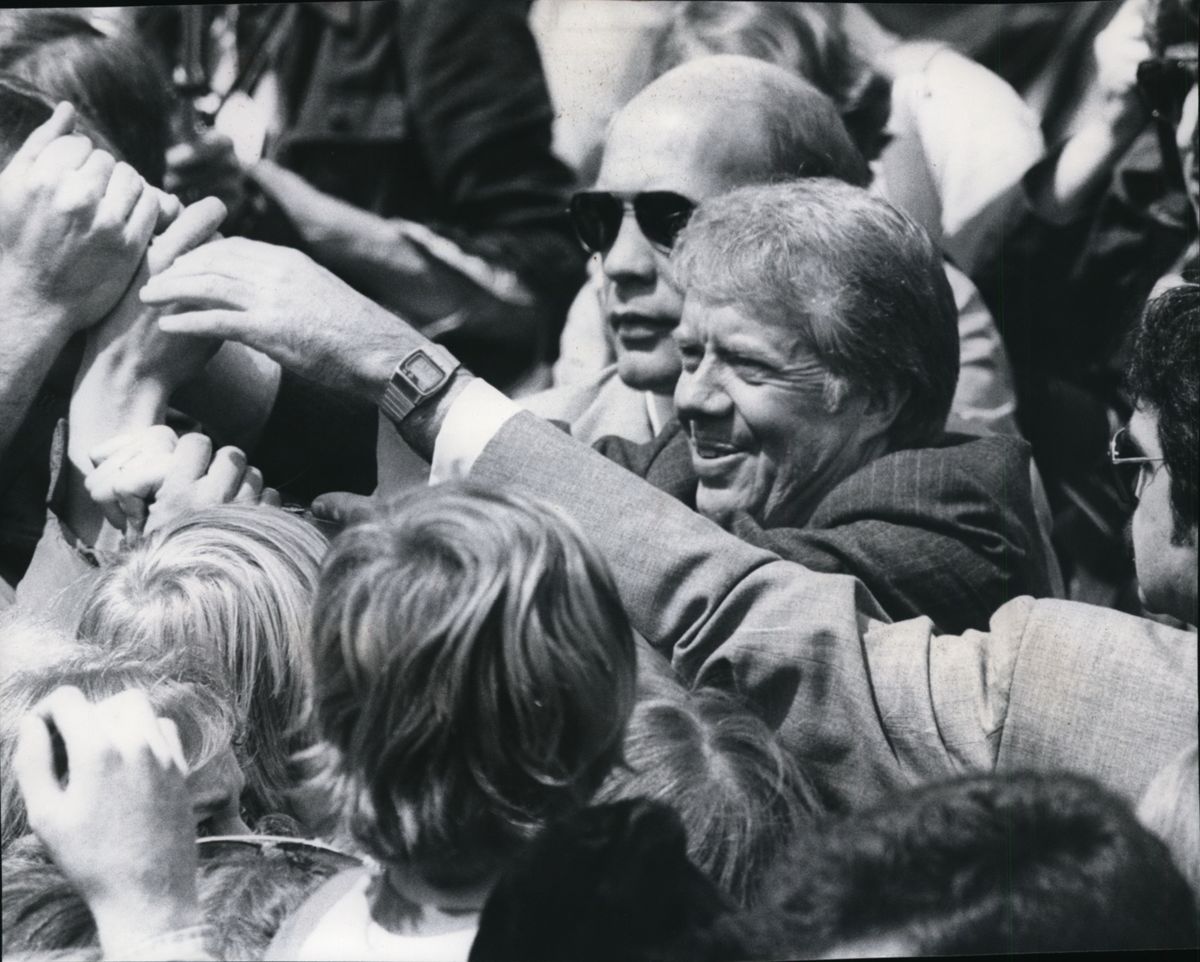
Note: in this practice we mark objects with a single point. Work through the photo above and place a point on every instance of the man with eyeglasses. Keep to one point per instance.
(1156, 453)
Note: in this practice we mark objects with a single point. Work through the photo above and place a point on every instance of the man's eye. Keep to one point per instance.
(691, 356)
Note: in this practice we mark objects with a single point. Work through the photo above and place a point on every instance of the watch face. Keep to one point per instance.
(424, 374)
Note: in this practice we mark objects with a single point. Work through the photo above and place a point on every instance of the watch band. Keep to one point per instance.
(420, 375)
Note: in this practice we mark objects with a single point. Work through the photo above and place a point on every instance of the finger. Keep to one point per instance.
(156, 438)
(271, 497)
(60, 123)
(175, 285)
(225, 474)
(251, 487)
(190, 460)
(94, 173)
(133, 726)
(195, 224)
(62, 156)
(169, 207)
(139, 228)
(33, 764)
(225, 325)
(342, 507)
(125, 186)
(74, 717)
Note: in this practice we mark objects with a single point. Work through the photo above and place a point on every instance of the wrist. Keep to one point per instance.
(421, 428)
(123, 924)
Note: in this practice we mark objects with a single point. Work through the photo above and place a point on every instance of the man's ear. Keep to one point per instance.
(882, 405)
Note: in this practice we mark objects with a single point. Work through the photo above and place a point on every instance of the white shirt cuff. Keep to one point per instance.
(475, 417)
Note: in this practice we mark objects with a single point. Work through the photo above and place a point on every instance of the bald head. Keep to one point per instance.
(774, 125)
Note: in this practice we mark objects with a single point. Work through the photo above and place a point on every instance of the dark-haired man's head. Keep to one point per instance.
(700, 130)
(818, 333)
(996, 864)
(1164, 381)
(612, 882)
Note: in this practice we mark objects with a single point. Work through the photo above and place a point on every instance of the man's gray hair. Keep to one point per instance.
(861, 283)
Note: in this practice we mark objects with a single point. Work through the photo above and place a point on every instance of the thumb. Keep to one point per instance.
(33, 764)
(194, 225)
(59, 123)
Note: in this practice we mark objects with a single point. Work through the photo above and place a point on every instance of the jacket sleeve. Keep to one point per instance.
(868, 706)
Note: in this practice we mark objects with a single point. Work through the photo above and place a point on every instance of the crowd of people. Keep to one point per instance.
(457, 502)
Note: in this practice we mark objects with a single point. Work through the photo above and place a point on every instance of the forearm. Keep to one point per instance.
(234, 396)
(31, 343)
(1087, 160)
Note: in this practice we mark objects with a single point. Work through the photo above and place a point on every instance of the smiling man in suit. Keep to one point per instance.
(869, 706)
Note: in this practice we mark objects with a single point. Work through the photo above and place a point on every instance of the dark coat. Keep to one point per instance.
(946, 531)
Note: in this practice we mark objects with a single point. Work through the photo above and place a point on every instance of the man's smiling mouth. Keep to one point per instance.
(711, 446)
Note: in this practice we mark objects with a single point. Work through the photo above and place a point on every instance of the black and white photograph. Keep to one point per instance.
(599, 480)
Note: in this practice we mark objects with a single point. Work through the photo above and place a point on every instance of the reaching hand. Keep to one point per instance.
(146, 478)
(74, 223)
(118, 820)
(280, 302)
(206, 166)
(130, 335)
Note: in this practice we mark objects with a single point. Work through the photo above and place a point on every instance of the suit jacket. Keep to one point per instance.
(948, 531)
(869, 707)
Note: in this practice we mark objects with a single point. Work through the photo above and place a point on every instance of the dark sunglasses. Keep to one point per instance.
(1164, 82)
(300, 852)
(1130, 465)
(596, 216)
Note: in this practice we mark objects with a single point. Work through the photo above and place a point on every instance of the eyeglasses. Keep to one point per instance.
(596, 216)
(1131, 468)
(300, 852)
(1164, 82)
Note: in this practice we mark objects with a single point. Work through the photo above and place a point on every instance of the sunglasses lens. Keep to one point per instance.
(596, 217)
(661, 215)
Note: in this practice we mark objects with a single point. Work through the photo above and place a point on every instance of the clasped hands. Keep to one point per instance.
(144, 479)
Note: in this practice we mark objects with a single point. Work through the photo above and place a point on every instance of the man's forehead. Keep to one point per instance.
(698, 149)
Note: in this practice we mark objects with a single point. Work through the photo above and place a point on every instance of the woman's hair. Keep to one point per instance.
(112, 80)
(180, 687)
(234, 581)
(740, 795)
(23, 109)
(807, 39)
(475, 670)
(43, 914)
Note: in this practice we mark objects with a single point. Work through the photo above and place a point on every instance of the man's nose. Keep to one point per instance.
(631, 257)
(699, 394)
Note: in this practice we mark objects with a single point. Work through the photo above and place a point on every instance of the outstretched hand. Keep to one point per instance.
(110, 804)
(280, 302)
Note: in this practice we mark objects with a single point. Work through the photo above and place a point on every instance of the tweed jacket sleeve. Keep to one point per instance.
(868, 706)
